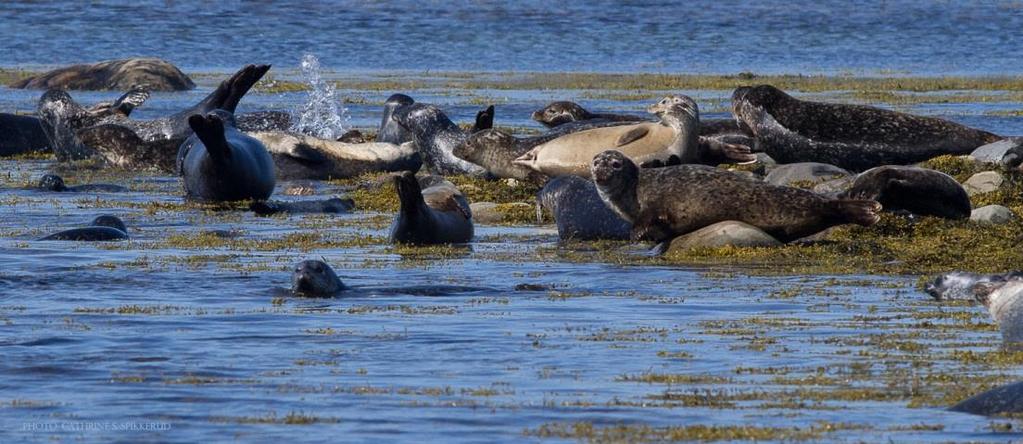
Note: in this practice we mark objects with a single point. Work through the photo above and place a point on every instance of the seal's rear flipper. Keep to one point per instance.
(410, 194)
(210, 130)
(484, 119)
(860, 212)
(251, 74)
(130, 100)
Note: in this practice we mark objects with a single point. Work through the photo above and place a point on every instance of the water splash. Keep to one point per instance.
(322, 114)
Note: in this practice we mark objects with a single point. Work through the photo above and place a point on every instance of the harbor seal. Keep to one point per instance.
(1004, 300)
(131, 143)
(334, 205)
(432, 211)
(53, 182)
(152, 73)
(102, 228)
(916, 190)
(307, 157)
(21, 134)
(496, 151)
(663, 203)
(958, 285)
(560, 113)
(578, 210)
(220, 163)
(390, 130)
(673, 140)
(263, 121)
(314, 278)
(853, 137)
(436, 136)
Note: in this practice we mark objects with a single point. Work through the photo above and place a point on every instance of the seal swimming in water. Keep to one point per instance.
(578, 210)
(138, 143)
(332, 205)
(314, 278)
(958, 285)
(307, 157)
(53, 182)
(152, 73)
(919, 191)
(663, 203)
(432, 211)
(854, 137)
(673, 140)
(220, 163)
(1004, 300)
(21, 134)
(102, 228)
(436, 137)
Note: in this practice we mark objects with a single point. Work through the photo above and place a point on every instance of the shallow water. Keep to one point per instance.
(705, 36)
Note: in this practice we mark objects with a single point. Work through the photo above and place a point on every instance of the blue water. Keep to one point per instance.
(702, 36)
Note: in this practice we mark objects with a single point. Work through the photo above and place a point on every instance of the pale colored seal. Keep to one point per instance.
(151, 73)
(306, 157)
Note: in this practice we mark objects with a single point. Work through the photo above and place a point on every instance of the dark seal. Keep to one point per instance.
(220, 163)
(915, 190)
(390, 130)
(334, 205)
(436, 137)
(102, 228)
(663, 203)
(997, 401)
(854, 137)
(313, 278)
(53, 182)
(578, 210)
(432, 211)
(21, 134)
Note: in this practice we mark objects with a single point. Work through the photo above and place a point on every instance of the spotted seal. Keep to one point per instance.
(306, 157)
(959, 285)
(1004, 300)
(220, 163)
(916, 190)
(432, 211)
(578, 210)
(53, 182)
(662, 203)
(854, 137)
(102, 228)
(390, 130)
(436, 136)
(557, 114)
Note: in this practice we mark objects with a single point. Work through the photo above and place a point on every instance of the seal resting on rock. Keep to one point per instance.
(53, 182)
(220, 163)
(497, 150)
(432, 211)
(919, 191)
(959, 285)
(854, 137)
(152, 73)
(663, 203)
(556, 114)
(306, 157)
(102, 228)
(578, 210)
(436, 137)
(313, 278)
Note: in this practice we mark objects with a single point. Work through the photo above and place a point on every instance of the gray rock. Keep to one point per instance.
(993, 152)
(835, 186)
(805, 172)
(992, 214)
(985, 182)
(488, 212)
(729, 232)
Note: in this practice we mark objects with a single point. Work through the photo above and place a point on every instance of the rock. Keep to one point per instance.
(492, 213)
(992, 214)
(804, 173)
(994, 152)
(729, 232)
(119, 75)
(835, 186)
(985, 182)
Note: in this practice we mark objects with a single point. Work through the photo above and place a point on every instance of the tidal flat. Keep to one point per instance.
(190, 323)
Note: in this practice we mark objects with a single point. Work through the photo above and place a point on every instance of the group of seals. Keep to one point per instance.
(220, 163)
(153, 74)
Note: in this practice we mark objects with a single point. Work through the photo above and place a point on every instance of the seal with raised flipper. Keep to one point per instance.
(853, 137)
(220, 163)
(432, 211)
(662, 203)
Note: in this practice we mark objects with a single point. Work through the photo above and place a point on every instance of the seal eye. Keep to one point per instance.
(616, 164)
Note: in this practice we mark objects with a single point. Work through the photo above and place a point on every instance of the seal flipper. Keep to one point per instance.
(210, 130)
(132, 99)
(632, 136)
(860, 212)
(484, 120)
(241, 86)
(410, 195)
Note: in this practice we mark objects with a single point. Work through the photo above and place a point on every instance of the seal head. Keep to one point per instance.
(314, 278)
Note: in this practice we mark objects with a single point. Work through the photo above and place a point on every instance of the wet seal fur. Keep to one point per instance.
(306, 157)
(432, 211)
(663, 203)
(314, 278)
(1002, 400)
(390, 130)
(102, 228)
(497, 150)
(959, 285)
(436, 137)
(21, 134)
(155, 74)
(220, 163)
(578, 210)
(916, 190)
(853, 137)
(53, 182)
